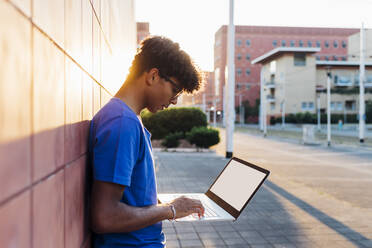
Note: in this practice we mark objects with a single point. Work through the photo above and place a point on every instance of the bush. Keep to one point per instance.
(272, 120)
(172, 140)
(203, 137)
(308, 118)
(173, 120)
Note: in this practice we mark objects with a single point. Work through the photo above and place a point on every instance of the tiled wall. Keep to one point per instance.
(60, 59)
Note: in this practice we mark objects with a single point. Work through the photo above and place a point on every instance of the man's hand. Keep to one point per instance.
(185, 206)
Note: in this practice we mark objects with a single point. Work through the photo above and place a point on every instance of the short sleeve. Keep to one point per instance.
(115, 150)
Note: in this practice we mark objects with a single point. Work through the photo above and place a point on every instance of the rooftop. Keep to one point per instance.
(282, 50)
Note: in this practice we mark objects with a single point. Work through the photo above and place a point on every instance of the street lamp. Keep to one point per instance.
(329, 76)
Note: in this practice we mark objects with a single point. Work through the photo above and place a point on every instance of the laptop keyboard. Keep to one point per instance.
(209, 212)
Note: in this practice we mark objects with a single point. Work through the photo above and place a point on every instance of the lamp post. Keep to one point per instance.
(329, 106)
(230, 110)
(362, 116)
(318, 111)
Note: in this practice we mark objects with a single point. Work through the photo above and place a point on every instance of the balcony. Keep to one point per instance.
(270, 98)
(270, 85)
(343, 81)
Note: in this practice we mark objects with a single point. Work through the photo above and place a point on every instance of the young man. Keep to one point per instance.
(124, 210)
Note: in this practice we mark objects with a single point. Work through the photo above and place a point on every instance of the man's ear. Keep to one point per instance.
(152, 76)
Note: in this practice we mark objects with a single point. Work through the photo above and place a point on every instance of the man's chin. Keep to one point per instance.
(154, 110)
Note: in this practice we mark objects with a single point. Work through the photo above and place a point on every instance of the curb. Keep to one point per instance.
(200, 150)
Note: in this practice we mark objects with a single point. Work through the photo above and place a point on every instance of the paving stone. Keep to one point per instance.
(229, 235)
(234, 241)
(172, 236)
(190, 243)
(250, 234)
(277, 239)
(224, 228)
(212, 241)
(204, 229)
(261, 246)
(287, 245)
(184, 229)
(208, 235)
(366, 243)
(191, 235)
(173, 244)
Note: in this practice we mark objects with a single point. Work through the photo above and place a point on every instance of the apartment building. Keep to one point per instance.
(293, 80)
(254, 41)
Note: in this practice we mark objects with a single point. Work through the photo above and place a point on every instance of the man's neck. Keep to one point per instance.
(131, 94)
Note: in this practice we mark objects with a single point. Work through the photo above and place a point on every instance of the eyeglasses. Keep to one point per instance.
(176, 90)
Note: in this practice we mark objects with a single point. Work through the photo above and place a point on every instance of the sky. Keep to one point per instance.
(193, 23)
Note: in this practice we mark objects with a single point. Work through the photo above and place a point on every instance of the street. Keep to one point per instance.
(344, 173)
(314, 196)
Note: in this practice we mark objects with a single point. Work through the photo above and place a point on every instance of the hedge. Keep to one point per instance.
(203, 137)
(301, 118)
(173, 120)
(172, 140)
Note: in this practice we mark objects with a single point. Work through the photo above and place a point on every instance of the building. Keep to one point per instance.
(143, 30)
(204, 98)
(294, 79)
(254, 41)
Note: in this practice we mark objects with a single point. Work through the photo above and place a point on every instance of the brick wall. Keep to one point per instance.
(60, 60)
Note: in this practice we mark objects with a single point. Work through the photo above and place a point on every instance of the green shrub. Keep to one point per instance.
(272, 120)
(203, 137)
(172, 140)
(173, 120)
(309, 118)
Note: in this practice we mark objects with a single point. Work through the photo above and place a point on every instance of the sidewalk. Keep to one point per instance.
(282, 213)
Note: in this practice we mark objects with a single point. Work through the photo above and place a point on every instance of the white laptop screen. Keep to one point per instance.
(237, 183)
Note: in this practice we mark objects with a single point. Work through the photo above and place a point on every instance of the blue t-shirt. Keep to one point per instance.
(121, 153)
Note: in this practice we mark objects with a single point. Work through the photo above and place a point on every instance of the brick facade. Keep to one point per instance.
(254, 41)
(60, 58)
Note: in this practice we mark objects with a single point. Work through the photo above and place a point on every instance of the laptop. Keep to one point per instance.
(229, 194)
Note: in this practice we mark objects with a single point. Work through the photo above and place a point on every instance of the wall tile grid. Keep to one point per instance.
(50, 87)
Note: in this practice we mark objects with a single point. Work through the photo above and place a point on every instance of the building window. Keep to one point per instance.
(292, 43)
(317, 43)
(335, 44)
(299, 59)
(335, 57)
(326, 58)
(283, 43)
(239, 56)
(247, 57)
(333, 105)
(247, 72)
(239, 42)
(238, 86)
(335, 79)
(272, 106)
(344, 44)
(247, 86)
(275, 43)
(350, 105)
(339, 106)
(309, 44)
(239, 71)
(317, 57)
(300, 43)
(248, 43)
(326, 43)
(343, 58)
(311, 106)
(304, 106)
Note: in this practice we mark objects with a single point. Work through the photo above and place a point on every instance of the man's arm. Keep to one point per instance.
(109, 215)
